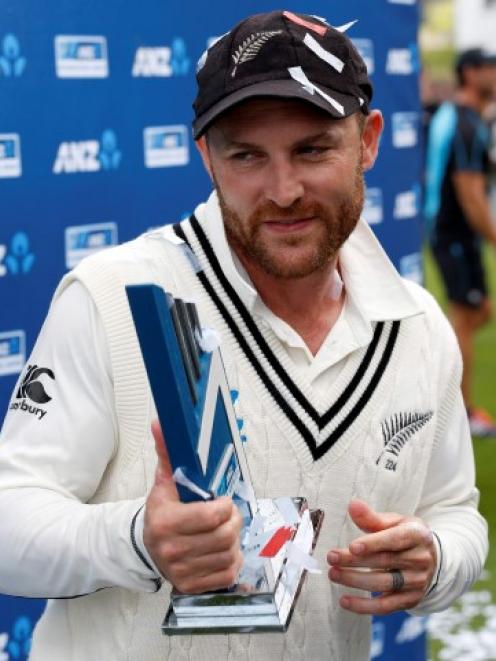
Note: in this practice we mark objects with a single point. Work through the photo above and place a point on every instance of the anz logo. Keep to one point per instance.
(10, 155)
(407, 203)
(79, 56)
(166, 146)
(162, 61)
(403, 61)
(411, 267)
(88, 155)
(12, 62)
(366, 49)
(373, 208)
(17, 645)
(12, 352)
(18, 258)
(405, 128)
(84, 240)
(378, 639)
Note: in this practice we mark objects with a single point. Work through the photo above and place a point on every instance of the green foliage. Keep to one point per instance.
(439, 63)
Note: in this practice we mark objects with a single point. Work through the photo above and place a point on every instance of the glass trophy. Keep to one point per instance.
(196, 412)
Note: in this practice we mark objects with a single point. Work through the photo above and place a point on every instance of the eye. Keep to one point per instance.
(313, 150)
(243, 156)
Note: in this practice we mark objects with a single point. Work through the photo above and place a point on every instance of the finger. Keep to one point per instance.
(215, 581)
(377, 581)
(220, 539)
(207, 564)
(187, 547)
(163, 473)
(187, 518)
(382, 605)
(369, 520)
(206, 517)
(161, 447)
(408, 559)
(399, 538)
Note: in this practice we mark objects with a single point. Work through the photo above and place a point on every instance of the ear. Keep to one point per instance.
(374, 124)
(202, 146)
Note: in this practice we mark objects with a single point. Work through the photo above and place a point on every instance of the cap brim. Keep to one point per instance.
(340, 106)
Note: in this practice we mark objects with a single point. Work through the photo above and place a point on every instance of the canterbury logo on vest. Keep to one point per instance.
(32, 388)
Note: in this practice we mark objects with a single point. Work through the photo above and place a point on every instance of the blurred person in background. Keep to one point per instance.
(491, 118)
(458, 209)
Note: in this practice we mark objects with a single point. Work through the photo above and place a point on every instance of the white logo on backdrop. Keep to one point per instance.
(406, 204)
(88, 155)
(366, 49)
(152, 62)
(10, 155)
(400, 61)
(373, 212)
(80, 56)
(166, 146)
(84, 240)
(12, 352)
(411, 267)
(405, 129)
(162, 61)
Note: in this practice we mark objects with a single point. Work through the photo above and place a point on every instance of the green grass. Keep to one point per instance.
(484, 395)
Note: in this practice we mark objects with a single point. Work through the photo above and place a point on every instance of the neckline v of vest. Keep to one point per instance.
(323, 420)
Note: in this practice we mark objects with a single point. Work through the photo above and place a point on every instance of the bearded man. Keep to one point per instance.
(348, 380)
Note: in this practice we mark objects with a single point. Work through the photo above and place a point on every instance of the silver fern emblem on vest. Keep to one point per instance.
(397, 431)
(251, 47)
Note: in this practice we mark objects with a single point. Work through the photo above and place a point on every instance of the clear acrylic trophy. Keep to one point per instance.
(195, 409)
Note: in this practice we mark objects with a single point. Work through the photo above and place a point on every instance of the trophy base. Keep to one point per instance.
(243, 609)
(232, 624)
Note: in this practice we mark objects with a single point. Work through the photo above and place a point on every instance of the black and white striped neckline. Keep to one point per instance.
(319, 430)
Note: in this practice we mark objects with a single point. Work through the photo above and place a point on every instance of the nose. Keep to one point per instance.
(284, 186)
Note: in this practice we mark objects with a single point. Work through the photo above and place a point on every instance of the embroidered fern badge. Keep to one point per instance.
(396, 431)
(251, 47)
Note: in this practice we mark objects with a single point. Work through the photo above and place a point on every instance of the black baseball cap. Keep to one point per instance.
(281, 54)
(474, 57)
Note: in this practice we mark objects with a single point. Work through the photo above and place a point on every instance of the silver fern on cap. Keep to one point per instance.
(251, 47)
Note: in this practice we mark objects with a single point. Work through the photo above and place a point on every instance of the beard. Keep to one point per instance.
(294, 256)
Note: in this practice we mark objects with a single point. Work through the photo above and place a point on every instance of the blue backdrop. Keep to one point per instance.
(95, 147)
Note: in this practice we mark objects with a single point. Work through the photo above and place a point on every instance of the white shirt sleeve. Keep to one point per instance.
(450, 498)
(57, 439)
(449, 507)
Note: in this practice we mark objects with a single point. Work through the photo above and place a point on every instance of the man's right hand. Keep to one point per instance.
(194, 545)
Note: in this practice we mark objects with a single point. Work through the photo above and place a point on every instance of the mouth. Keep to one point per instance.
(289, 225)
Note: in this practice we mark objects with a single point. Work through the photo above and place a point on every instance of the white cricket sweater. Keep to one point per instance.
(400, 393)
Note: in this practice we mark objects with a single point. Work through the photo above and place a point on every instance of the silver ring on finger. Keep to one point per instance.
(398, 580)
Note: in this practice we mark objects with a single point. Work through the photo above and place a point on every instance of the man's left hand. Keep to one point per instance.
(394, 543)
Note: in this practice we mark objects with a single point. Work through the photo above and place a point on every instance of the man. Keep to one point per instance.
(348, 382)
(457, 205)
